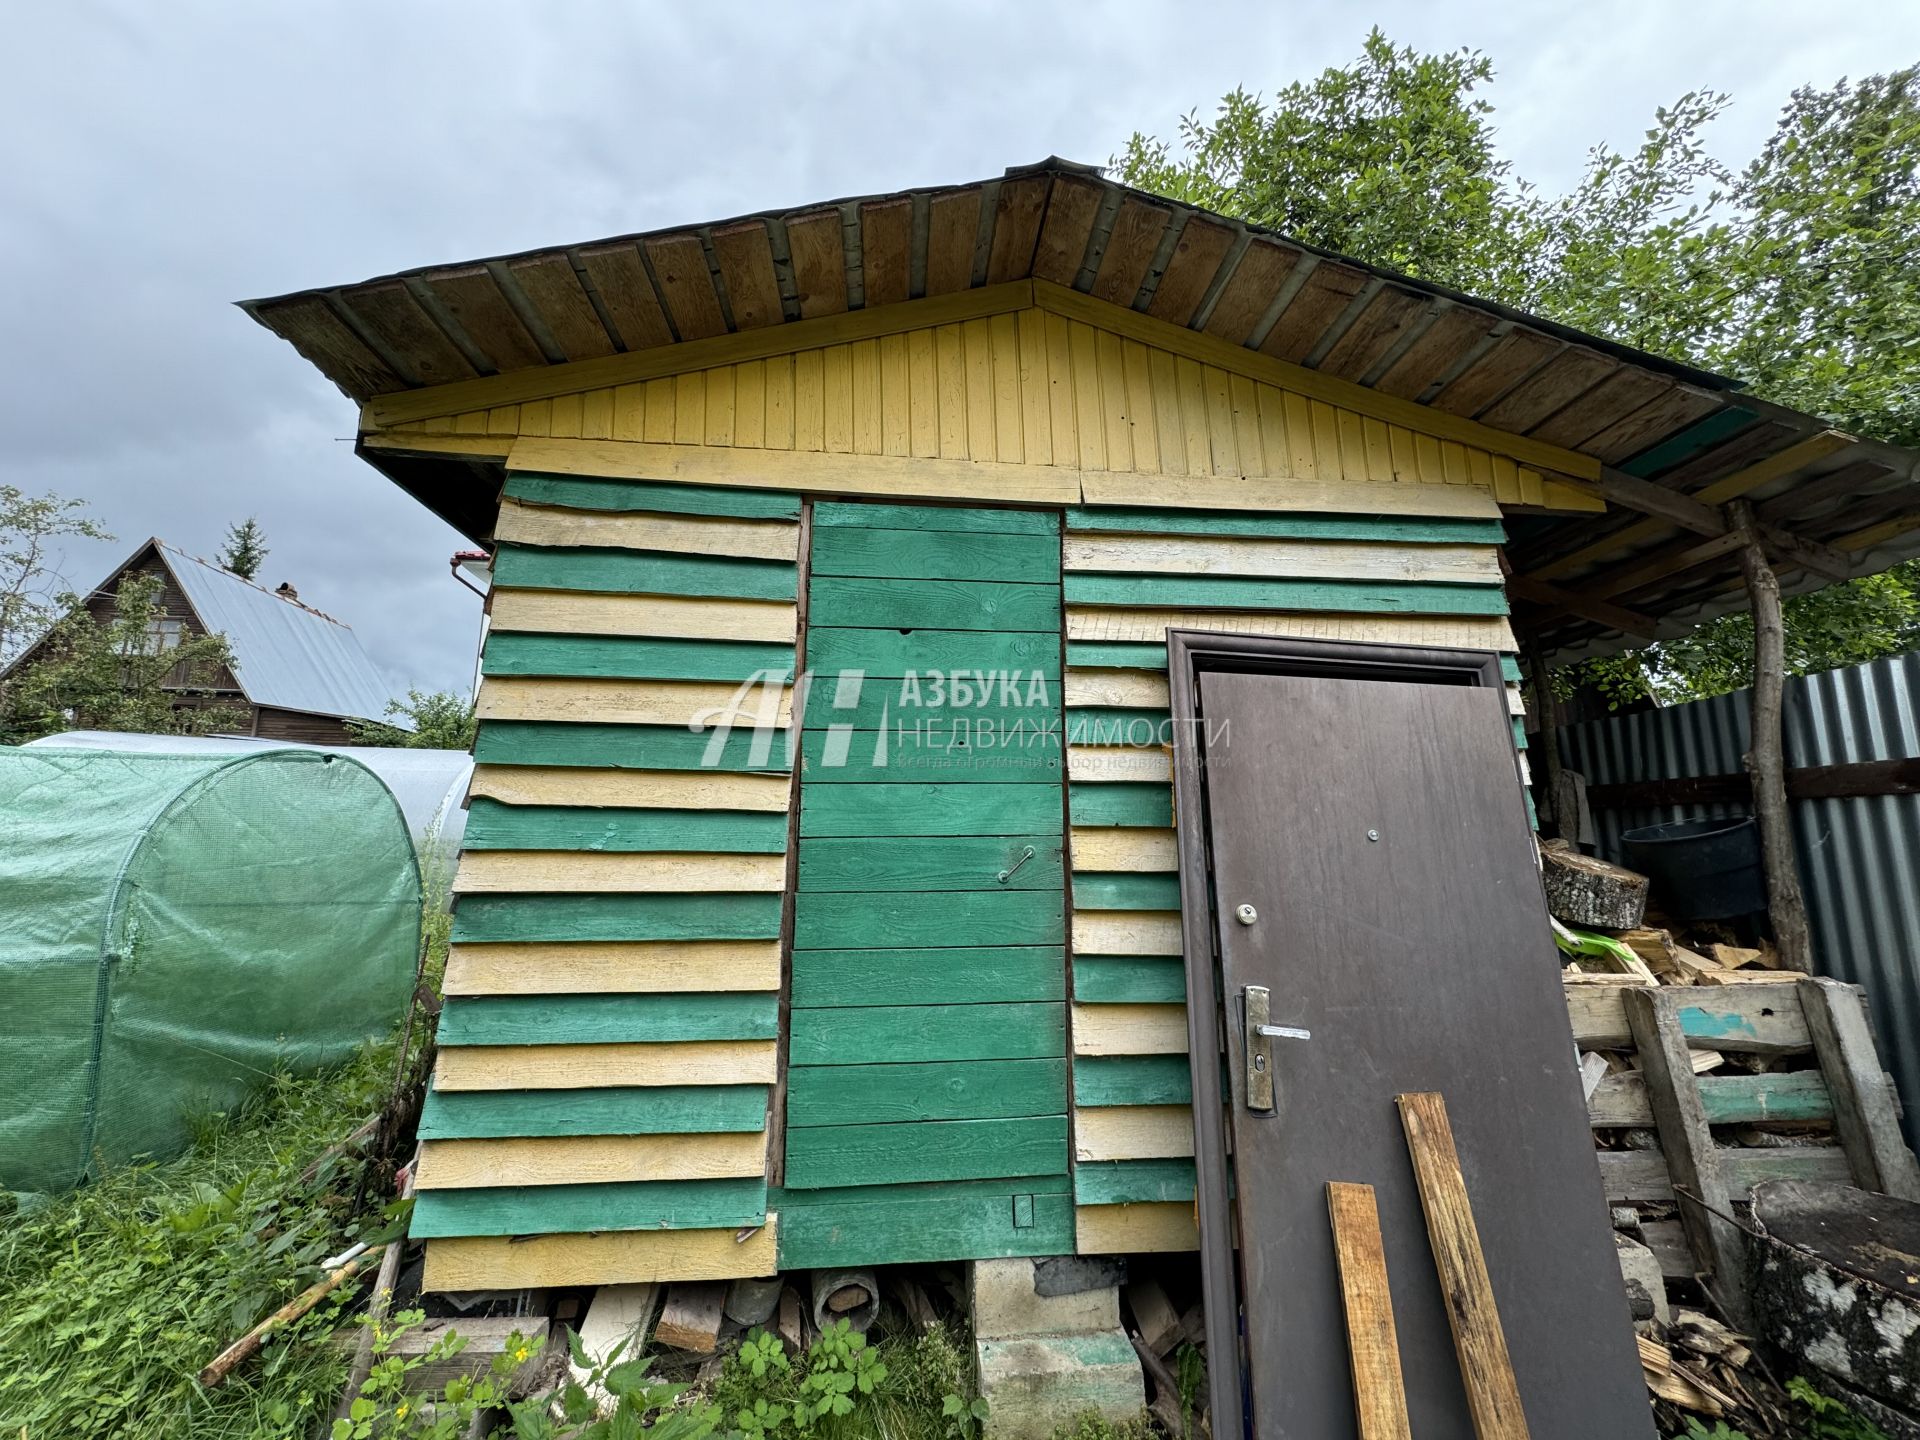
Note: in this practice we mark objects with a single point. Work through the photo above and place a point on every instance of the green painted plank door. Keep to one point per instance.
(927, 1037)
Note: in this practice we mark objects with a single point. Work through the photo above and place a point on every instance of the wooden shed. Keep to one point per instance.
(818, 903)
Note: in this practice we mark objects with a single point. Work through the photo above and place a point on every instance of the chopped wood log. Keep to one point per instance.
(693, 1316)
(913, 1299)
(1732, 957)
(1585, 890)
(1705, 1060)
(1153, 1315)
(1652, 945)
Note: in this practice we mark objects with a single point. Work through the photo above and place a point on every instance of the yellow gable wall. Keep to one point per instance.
(1027, 387)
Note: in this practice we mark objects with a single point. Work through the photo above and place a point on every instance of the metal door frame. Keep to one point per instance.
(1189, 654)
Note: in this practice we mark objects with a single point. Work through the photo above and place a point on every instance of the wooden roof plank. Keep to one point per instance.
(389, 311)
(886, 251)
(953, 227)
(1131, 245)
(1660, 417)
(745, 256)
(1388, 316)
(1454, 331)
(1196, 258)
(1511, 359)
(1065, 230)
(308, 323)
(680, 266)
(1614, 398)
(1327, 291)
(555, 292)
(1556, 384)
(627, 294)
(472, 298)
(1249, 290)
(817, 247)
(1016, 226)
(1848, 482)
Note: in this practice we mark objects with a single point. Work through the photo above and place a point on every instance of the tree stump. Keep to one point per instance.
(1583, 890)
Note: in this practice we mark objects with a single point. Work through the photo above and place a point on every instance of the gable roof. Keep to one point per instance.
(1653, 437)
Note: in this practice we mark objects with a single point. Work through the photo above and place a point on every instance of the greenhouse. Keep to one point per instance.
(181, 928)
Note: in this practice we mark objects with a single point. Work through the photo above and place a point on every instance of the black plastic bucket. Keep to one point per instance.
(1701, 869)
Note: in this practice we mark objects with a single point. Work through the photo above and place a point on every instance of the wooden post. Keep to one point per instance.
(1766, 761)
(1547, 804)
(1863, 1108)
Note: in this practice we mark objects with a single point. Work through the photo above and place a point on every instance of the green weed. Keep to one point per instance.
(901, 1388)
(1091, 1426)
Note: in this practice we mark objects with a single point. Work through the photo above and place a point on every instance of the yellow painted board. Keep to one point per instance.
(1060, 399)
(1036, 425)
(615, 872)
(1101, 763)
(658, 419)
(780, 402)
(1004, 337)
(612, 1257)
(950, 377)
(633, 702)
(653, 616)
(623, 967)
(1129, 1029)
(1169, 428)
(866, 398)
(1159, 1226)
(1136, 850)
(1142, 414)
(1088, 416)
(596, 1067)
(976, 341)
(629, 530)
(689, 409)
(1126, 689)
(837, 392)
(750, 405)
(878, 475)
(589, 1159)
(1126, 932)
(896, 397)
(1471, 632)
(578, 785)
(1133, 1132)
(1296, 559)
(923, 391)
(809, 401)
(1234, 492)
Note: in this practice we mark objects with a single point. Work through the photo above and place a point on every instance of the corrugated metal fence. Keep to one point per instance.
(1859, 858)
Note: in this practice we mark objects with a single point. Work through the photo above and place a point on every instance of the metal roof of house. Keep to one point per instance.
(1665, 444)
(285, 654)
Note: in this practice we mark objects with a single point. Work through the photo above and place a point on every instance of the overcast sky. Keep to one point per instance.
(164, 160)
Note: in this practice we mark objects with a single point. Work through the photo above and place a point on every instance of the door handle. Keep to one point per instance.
(1255, 1004)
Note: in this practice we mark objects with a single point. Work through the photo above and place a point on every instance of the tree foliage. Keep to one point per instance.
(1798, 272)
(440, 720)
(121, 673)
(32, 528)
(245, 550)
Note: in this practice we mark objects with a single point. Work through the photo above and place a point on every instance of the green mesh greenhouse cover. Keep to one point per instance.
(174, 929)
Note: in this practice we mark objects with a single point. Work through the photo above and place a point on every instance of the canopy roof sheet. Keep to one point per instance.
(1641, 426)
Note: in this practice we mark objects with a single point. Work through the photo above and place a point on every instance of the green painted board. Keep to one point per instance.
(1133, 803)
(1106, 725)
(623, 658)
(1510, 669)
(885, 920)
(964, 752)
(909, 1224)
(934, 604)
(1403, 529)
(643, 572)
(1129, 979)
(888, 1094)
(1132, 1080)
(884, 516)
(1125, 890)
(1690, 441)
(576, 493)
(1004, 656)
(492, 825)
(928, 808)
(576, 1209)
(928, 704)
(1115, 655)
(608, 1019)
(629, 747)
(935, 555)
(821, 1157)
(625, 1110)
(933, 862)
(617, 917)
(1797, 1096)
(928, 977)
(1132, 1182)
(904, 1034)
(1347, 597)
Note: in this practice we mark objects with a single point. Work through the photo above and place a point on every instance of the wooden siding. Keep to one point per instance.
(608, 1042)
(1131, 573)
(926, 1089)
(1032, 387)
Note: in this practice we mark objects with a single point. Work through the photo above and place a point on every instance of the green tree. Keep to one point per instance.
(439, 720)
(123, 672)
(246, 549)
(31, 529)
(1799, 273)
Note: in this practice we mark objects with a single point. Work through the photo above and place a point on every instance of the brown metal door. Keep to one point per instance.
(1377, 830)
